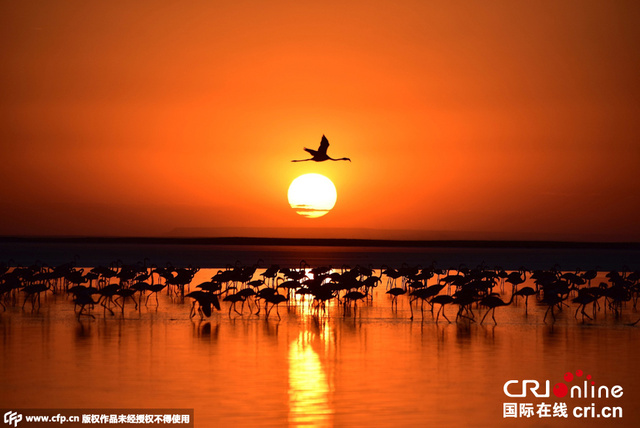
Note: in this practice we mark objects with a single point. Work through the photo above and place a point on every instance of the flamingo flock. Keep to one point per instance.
(252, 291)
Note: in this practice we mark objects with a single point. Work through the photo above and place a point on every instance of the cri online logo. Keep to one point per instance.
(586, 389)
(12, 418)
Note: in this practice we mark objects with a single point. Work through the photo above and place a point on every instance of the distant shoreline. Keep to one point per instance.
(324, 242)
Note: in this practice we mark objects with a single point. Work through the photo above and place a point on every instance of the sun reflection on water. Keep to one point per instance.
(309, 387)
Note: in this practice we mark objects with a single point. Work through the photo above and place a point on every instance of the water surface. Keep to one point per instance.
(370, 366)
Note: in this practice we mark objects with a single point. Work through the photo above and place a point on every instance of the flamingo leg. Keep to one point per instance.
(485, 315)
(444, 315)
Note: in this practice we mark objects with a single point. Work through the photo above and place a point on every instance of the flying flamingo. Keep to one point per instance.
(320, 155)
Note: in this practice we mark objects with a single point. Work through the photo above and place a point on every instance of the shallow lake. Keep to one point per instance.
(364, 366)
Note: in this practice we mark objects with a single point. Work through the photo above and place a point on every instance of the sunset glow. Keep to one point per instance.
(309, 388)
(363, 213)
(500, 120)
(312, 195)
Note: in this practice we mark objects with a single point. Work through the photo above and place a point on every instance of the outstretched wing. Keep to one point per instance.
(324, 145)
(215, 301)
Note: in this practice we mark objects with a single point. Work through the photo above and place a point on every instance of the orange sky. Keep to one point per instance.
(135, 118)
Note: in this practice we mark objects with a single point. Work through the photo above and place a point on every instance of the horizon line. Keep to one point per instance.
(321, 242)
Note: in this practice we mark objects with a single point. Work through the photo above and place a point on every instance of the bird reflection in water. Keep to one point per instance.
(310, 389)
(204, 330)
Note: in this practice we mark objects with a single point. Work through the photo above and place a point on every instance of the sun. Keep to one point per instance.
(312, 195)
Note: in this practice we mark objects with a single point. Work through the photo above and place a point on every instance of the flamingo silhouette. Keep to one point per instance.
(235, 298)
(395, 292)
(275, 299)
(320, 155)
(425, 294)
(206, 302)
(83, 299)
(33, 291)
(106, 296)
(442, 299)
(525, 292)
(155, 289)
(124, 293)
(585, 297)
(492, 302)
(354, 296)
(515, 279)
(552, 300)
